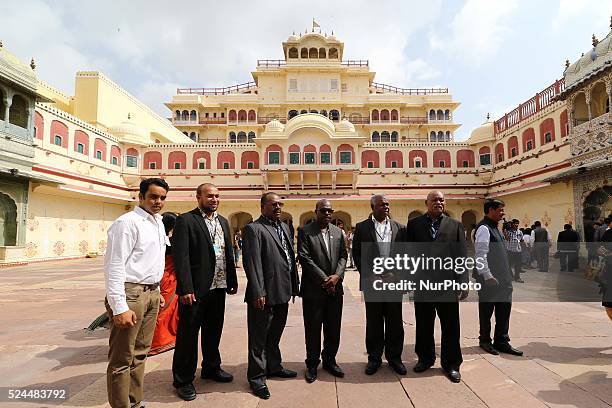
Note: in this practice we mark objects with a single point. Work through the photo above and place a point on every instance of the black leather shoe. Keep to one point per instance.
(398, 367)
(262, 392)
(218, 376)
(186, 392)
(283, 373)
(334, 369)
(453, 375)
(420, 367)
(488, 347)
(310, 375)
(508, 349)
(372, 367)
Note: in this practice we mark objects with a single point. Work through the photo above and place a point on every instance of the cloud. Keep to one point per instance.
(477, 32)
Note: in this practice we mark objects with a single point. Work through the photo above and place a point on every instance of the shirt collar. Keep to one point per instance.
(432, 219)
(154, 217)
(214, 215)
(270, 221)
(375, 221)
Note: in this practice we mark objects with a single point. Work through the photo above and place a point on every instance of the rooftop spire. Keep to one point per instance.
(567, 64)
(32, 64)
(488, 116)
(1, 44)
(594, 40)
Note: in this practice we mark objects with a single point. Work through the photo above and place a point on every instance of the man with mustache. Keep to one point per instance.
(272, 279)
(133, 267)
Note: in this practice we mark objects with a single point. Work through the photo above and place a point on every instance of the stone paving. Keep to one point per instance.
(568, 350)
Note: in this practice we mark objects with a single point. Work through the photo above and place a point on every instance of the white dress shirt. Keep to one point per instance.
(383, 235)
(481, 247)
(135, 253)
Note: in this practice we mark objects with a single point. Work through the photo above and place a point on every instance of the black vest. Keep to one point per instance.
(497, 258)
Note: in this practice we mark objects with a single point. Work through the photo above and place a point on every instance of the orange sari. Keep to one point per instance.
(167, 319)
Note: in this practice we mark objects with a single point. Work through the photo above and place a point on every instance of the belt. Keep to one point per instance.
(146, 286)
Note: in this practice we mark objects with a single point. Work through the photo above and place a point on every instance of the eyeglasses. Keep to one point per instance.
(276, 204)
(326, 210)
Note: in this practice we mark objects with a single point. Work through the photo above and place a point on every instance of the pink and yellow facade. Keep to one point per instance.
(309, 126)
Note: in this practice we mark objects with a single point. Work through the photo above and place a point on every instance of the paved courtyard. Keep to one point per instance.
(568, 351)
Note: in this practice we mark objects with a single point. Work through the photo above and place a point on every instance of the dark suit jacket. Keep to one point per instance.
(568, 241)
(265, 264)
(449, 242)
(317, 264)
(194, 255)
(365, 247)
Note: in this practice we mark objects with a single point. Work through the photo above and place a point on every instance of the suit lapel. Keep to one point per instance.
(322, 243)
(200, 221)
(394, 230)
(272, 232)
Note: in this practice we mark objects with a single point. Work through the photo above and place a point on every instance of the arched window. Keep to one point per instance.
(447, 114)
(18, 112)
(232, 116)
(193, 136)
(252, 116)
(193, 116)
(177, 115)
(485, 156)
(323, 112)
(242, 138)
(440, 136)
(293, 52)
(385, 136)
(314, 111)
(304, 53)
(394, 136)
(242, 115)
(375, 114)
(440, 115)
(394, 114)
(251, 137)
(333, 53)
(447, 136)
(334, 115)
(432, 136)
(232, 137)
(322, 53)
(185, 115)
(303, 111)
(375, 136)
(292, 114)
(432, 114)
(384, 114)
(313, 53)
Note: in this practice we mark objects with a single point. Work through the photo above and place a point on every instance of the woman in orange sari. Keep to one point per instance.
(167, 319)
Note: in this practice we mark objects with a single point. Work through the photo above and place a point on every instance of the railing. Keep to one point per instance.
(262, 120)
(266, 63)
(213, 121)
(530, 107)
(240, 88)
(375, 86)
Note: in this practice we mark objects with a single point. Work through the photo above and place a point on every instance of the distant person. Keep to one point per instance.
(514, 242)
(542, 243)
(568, 245)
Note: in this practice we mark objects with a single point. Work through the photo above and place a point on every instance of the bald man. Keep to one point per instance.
(437, 236)
(322, 254)
(205, 272)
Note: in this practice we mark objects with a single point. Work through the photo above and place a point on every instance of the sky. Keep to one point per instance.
(492, 55)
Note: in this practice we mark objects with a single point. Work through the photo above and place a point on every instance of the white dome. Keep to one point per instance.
(345, 126)
(129, 131)
(274, 126)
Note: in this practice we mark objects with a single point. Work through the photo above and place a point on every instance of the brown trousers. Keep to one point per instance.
(128, 347)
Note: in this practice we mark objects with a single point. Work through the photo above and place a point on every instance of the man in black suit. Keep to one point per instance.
(568, 244)
(272, 279)
(205, 273)
(437, 236)
(373, 238)
(495, 276)
(322, 254)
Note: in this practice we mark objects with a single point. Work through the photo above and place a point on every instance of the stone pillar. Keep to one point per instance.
(587, 97)
(8, 101)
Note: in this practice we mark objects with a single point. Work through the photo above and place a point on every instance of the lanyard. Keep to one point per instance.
(384, 233)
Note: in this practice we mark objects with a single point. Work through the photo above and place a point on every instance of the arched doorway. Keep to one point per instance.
(238, 220)
(8, 221)
(414, 214)
(597, 205)
(468, 219)
(344, 217)
(307, 218)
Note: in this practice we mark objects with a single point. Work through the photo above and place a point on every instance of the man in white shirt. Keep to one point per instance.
(133, 267)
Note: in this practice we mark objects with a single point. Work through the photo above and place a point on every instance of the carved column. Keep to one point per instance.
(587, 98)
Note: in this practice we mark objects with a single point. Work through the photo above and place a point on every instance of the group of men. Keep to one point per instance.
(206, 273)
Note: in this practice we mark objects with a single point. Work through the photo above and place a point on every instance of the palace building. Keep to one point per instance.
(308, 126)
